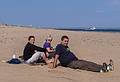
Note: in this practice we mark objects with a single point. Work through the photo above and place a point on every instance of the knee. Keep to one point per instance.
(40, 53)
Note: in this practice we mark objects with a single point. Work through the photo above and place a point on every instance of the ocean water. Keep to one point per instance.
(96, 30)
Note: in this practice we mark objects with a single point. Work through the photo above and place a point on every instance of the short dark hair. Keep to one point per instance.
(30, 37)
(63, 37)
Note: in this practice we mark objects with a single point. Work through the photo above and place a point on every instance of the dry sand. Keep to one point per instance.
(98, 47)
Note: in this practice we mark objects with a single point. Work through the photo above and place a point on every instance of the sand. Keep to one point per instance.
(97, 47)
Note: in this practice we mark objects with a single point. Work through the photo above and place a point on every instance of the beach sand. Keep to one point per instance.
(97, 47)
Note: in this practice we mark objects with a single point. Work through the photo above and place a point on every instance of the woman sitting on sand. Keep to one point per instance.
(48, 47)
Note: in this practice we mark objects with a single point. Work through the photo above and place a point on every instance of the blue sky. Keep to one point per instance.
(61, 13)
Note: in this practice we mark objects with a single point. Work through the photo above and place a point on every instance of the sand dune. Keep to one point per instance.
(98, 47)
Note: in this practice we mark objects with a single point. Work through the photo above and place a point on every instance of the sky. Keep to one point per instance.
(61, 13)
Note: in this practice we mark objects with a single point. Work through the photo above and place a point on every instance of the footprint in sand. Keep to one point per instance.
(56, 71)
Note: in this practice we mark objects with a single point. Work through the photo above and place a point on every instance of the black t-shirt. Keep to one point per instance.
(29, 50)
(65, 55)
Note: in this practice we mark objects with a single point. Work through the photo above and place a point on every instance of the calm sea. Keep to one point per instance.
(96, 30)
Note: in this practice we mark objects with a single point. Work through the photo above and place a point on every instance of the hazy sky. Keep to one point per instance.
(61, 13)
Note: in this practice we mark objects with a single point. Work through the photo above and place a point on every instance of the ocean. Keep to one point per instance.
(88, 30)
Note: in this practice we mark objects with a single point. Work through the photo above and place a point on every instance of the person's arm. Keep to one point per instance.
(55, 61)
(49, 50)
(39, 48)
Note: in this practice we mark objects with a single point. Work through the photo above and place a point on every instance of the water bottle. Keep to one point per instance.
(13, 56)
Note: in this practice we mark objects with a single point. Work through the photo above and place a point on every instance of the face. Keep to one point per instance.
(32, 40)
(49, 40)
(65, 42)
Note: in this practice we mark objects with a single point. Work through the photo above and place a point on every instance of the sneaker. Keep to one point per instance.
(110, 66)
(104, 68)
(21, 57)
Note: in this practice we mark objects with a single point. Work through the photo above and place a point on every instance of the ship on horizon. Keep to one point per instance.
(92, 28)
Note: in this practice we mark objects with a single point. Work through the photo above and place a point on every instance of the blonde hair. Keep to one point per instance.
(49, 37)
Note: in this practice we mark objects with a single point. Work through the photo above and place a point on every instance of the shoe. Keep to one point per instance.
(110, 66)
(104, 68)
(21, 57)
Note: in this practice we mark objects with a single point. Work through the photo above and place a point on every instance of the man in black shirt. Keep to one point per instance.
(33, 53)
(68, 59)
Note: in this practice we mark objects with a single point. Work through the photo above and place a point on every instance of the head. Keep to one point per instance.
(64, 40)
(49, 39)
(31, 39)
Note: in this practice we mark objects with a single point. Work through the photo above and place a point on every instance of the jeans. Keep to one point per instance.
(35, 57)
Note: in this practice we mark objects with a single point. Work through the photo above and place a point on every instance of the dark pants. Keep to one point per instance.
(85, 65)
(51, 55)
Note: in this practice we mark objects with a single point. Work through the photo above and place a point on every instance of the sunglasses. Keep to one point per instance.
(66, 40)
(49, 40)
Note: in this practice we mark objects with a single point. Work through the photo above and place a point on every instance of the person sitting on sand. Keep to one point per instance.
(48, 47)
(33, 53)
(68, 59)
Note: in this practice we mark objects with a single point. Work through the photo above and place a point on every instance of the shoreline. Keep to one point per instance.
(66, 29)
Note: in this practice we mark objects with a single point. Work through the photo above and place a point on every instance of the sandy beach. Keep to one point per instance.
(97, 47)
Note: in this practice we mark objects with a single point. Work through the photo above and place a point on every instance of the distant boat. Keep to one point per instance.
(92, 28)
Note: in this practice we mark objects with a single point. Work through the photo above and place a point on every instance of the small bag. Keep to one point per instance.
(14, 61)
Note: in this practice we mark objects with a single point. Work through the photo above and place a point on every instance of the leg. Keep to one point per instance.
(35, 57)
(51, 55)
(85, 65)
